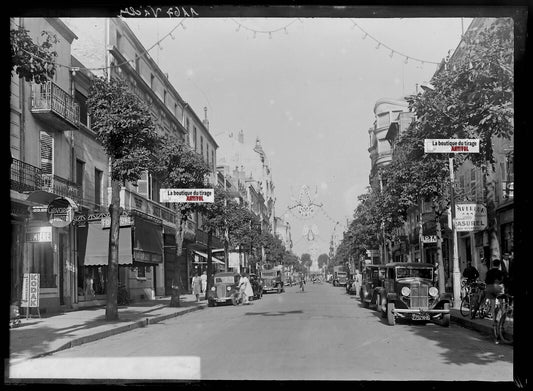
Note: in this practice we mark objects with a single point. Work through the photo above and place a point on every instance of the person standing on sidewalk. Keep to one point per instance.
(196, 286)
(470, 273)
(203, 277)
(494, 281)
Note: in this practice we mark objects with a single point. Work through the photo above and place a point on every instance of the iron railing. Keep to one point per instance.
(50, 97)
(61, 186)
(25, 177)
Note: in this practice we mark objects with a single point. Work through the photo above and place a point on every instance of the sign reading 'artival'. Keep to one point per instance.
(187, 195)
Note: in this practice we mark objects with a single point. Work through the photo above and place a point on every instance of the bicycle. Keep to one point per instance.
(471, 300)
(503, 321)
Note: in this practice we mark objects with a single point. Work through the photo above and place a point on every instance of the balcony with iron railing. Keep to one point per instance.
(62, 187)
(55, 106)
(24, 177)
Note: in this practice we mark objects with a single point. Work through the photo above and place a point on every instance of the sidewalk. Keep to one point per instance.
(484, 326)
(36, 337)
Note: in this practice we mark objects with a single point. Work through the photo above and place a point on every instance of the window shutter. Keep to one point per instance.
(142, 184)
(47, 153)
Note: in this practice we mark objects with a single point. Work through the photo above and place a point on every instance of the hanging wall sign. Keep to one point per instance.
(470, 217)
(60, 212)
(187, 195)
(451, 145)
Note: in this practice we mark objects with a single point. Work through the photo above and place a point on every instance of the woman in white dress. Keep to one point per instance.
(245, 288)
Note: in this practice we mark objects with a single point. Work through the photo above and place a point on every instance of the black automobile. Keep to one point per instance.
(257, 286)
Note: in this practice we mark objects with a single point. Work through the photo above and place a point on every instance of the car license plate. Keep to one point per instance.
(420, 317)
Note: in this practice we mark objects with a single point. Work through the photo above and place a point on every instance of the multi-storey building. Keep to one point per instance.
(392, 116)
(46, 187)
(247, 167)
(111, 49)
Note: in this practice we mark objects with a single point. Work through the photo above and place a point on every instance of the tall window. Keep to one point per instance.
(98, 178)
(202, 145)
(82, 102)
(47, 153)
(80, 169)
(152, 78)
(195, 138)
(473, 182)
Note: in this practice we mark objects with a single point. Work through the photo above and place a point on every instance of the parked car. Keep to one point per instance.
(272, 281)
(225, 289)
(409, 292)
(372, 278)
(256, 286)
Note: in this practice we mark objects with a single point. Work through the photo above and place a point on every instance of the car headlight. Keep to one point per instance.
(228, 288)
(406, 291)
(213, 288)
(433, 291)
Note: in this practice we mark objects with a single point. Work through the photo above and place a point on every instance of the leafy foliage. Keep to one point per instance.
(322, 260)
(306, 260)
(124, 126)
(32, 61)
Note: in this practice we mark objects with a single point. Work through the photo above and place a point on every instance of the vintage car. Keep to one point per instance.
(372, 277)
(272, 281)
(256, 286)
(225, 289)
(409, 292)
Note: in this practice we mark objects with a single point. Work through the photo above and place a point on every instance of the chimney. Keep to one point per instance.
(206, 121)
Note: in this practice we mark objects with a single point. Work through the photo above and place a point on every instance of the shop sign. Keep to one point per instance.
(125, 221)
(470, 217)
(31, 286)
(429, 238)
(187, 195)
(39, 234)
(451, 145)
(60, 212)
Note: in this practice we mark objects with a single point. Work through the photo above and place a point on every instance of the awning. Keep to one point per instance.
(148, 241)
(45, 198)
(216, 260)
(96, 247)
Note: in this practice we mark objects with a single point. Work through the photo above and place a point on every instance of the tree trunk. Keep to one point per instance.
(111, 311)
(440, 269)
(492, 224)
(226, 253)
(210, 277)
(176, 281)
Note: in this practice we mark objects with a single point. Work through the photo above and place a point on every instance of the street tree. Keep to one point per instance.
(323, 260)
(32, 61)
(124, 126)
(273, 246)
(306, 260)
(179, 167)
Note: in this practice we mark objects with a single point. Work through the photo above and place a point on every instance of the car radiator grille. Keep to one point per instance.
(221, 291)
(419, 296)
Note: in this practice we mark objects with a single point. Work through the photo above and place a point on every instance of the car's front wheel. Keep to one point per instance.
(235, 300)
(391, 320)
(446, 317)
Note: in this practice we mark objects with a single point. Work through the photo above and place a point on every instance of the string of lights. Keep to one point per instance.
(392, 51)
(269, 32)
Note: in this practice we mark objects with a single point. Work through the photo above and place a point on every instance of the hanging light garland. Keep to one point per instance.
(269, 32)
(392, 51)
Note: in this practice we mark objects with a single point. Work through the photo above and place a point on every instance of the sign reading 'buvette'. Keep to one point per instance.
(187, 195)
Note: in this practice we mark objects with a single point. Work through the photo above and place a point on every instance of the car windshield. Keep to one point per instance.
(268, 274)
(224, 280)
(402, 272)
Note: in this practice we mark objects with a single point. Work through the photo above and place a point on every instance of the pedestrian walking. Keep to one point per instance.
(196, 286)
(357, 281)
(245, 288)
(204, 282)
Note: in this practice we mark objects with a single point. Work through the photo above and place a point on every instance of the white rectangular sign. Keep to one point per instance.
(187, 195)
(30, 290)
(470, 217)
(464, 145)
(39, 234)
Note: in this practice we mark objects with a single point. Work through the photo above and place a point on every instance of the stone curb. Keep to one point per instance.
(117, 330)
(467, 323)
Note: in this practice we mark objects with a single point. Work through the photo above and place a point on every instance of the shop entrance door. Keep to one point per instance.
(61, 271)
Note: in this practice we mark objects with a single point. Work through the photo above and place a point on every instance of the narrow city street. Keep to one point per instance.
(319, 334)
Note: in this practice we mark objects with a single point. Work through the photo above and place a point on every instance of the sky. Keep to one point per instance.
(307, 90)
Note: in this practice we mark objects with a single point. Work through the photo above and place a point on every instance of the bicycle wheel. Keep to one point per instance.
(505, 327)
(465, 306)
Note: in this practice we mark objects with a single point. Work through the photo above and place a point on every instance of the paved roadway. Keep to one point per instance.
(319, 334)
